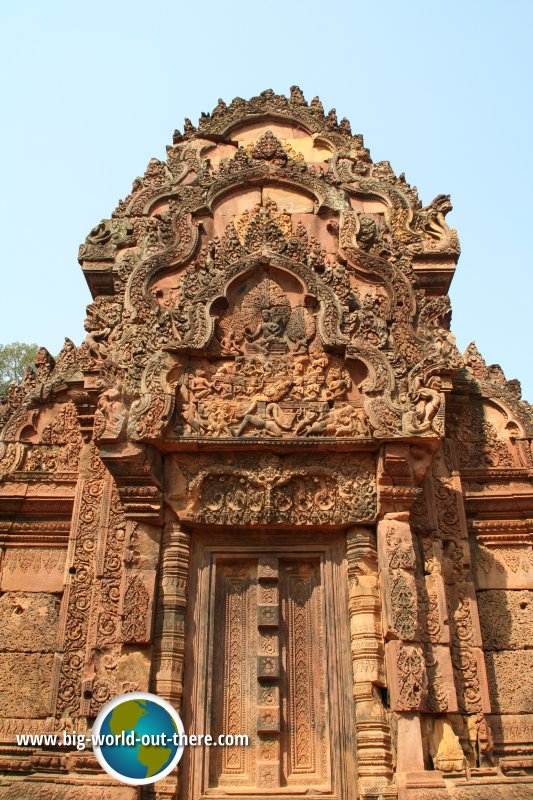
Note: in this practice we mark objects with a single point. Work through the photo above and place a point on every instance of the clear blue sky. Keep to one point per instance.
(91, 91)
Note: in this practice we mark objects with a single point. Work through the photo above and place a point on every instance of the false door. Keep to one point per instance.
(269, 662)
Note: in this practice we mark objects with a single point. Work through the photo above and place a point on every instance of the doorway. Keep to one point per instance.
(268, 656)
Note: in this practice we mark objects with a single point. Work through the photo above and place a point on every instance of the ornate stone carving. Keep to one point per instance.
(477, 441)
(170, 625)
(136, 604)
(30, 698)
(276, 490)
(373, 738)
(75, 622)
(398, 564)
(24, 568)
(269, 343)
(467, 659)
(339, 305)
(252, 397)
(513, 738)
(409, 686)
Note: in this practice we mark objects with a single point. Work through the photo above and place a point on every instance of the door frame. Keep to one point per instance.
(330, 548)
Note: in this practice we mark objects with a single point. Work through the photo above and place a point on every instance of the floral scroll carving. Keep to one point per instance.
(268, 344)
(277, 491)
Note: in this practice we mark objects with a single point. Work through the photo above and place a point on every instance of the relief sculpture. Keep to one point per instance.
(269, 488)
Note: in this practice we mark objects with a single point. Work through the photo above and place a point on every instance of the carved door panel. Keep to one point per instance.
(266, 663)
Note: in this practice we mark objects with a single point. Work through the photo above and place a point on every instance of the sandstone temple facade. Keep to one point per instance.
(268, 488)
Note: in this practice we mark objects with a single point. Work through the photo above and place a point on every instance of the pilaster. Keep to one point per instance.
(373, 738)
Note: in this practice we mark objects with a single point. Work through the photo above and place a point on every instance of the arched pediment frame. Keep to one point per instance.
(512, 424)
(509, 407)
(376, 269)
(261, 175)
(180, 250)
(329, 312)
(398, 210)
(185, 225)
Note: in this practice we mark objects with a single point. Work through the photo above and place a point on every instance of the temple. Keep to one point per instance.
(268, 488)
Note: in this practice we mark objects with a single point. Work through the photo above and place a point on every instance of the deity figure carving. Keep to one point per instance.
(427, 402)
(268, 487)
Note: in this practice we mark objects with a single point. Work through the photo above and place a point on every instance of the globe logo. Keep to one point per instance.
(138, 738)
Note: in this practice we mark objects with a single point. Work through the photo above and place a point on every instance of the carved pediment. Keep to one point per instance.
(266, 282)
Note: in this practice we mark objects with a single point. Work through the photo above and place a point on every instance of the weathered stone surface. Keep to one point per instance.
(37, 790)
(27, 691)
(506, 791)
(510, 676)
(506, 619)
(32, 569)
(512, 730)
(501, 566)
(29, 621)
(267, 485)
(444, 748)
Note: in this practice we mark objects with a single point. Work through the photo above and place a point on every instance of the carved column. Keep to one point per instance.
(373, 738)
(170, 615)
(169, 645)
